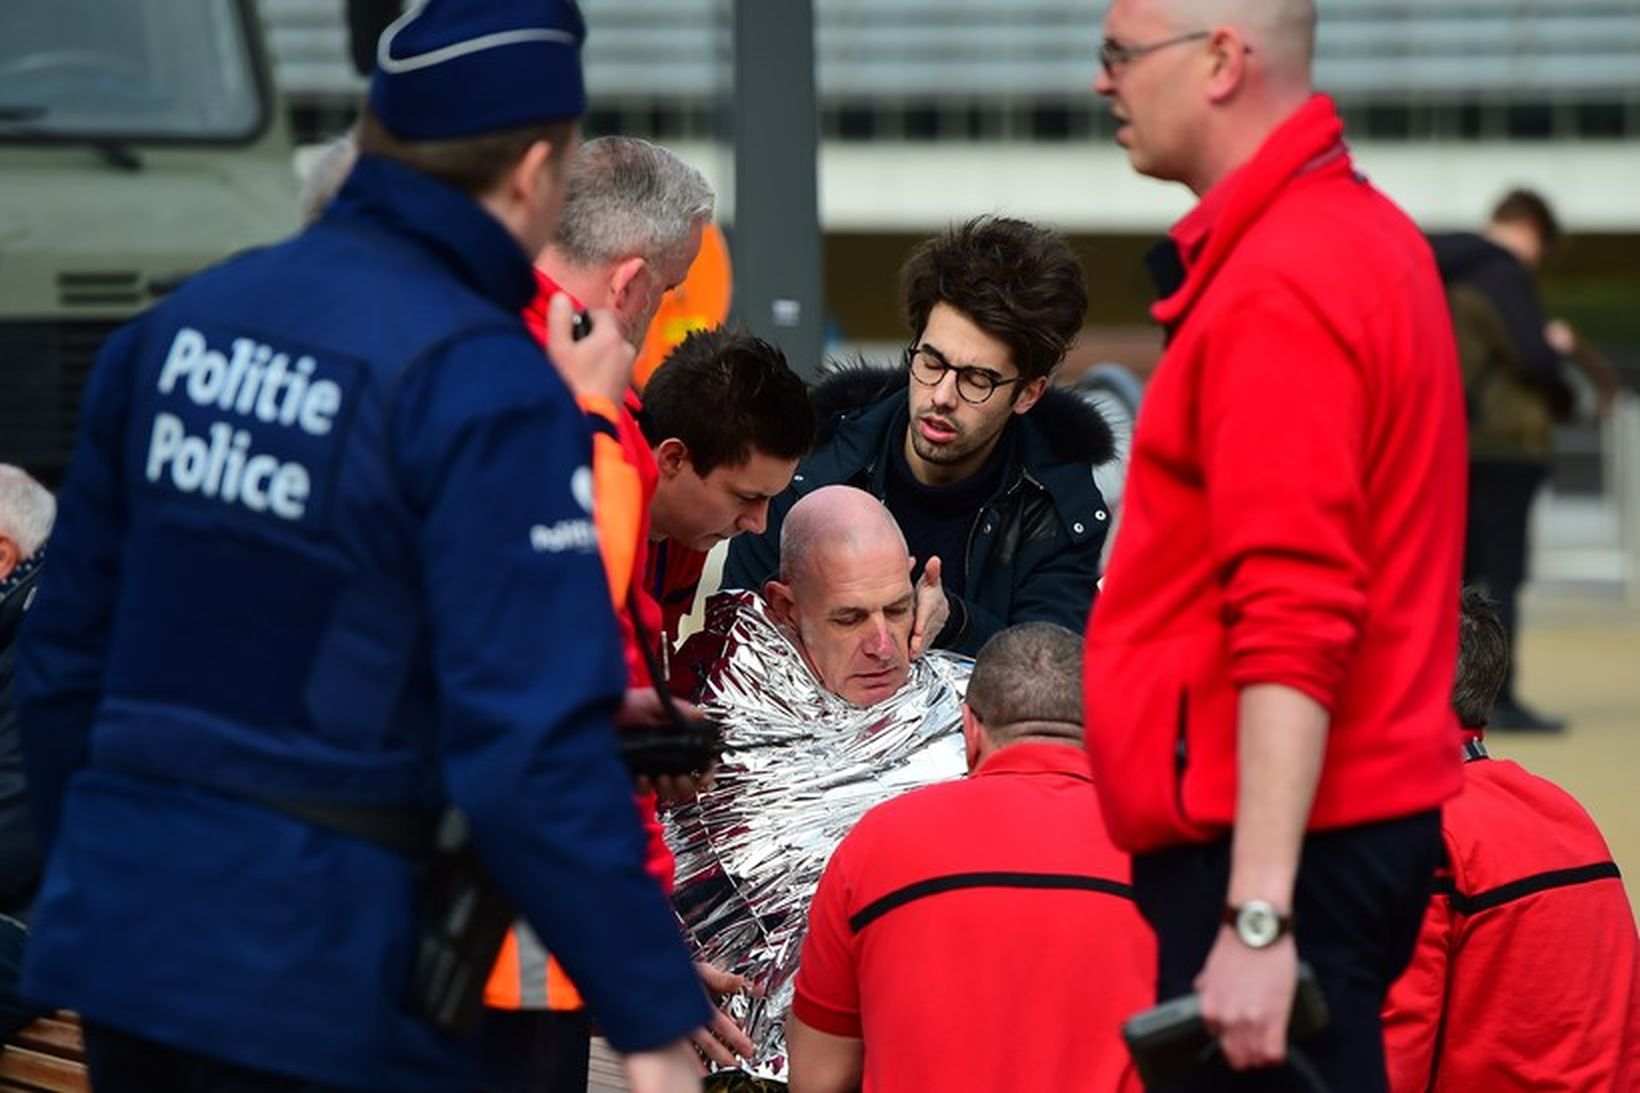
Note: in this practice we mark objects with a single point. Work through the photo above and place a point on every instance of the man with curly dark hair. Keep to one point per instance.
(986, 466)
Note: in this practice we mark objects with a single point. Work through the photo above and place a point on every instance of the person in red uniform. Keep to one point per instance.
(1527, 971)
(723, 425)
(727, 421)
(980, 934)
(629, 228)
(1277, 615)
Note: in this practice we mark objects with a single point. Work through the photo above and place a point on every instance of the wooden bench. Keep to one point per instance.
(46, 1057)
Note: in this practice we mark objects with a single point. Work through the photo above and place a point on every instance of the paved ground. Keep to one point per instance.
(606, 1071)
(1580, 658)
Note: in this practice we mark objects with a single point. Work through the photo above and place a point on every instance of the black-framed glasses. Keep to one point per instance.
(928, 367)
(1113, 55)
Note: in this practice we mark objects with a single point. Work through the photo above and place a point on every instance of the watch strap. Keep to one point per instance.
(1232, 916)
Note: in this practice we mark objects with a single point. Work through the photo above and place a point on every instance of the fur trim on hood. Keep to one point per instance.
(1074, 430)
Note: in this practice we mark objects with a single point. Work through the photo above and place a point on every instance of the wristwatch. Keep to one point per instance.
(1257, 923)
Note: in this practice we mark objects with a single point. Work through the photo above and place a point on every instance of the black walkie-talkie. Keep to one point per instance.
(465, 917)
(1170, 1042)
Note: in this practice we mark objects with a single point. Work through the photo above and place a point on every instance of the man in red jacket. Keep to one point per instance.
(1268, 665)
(1527, 971)
(980, 934)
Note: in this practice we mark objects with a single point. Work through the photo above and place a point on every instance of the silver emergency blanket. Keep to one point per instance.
(751, 849)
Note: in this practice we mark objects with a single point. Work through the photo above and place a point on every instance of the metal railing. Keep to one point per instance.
(1367, 50)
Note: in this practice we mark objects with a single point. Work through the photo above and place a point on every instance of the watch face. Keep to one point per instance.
(1257, 924)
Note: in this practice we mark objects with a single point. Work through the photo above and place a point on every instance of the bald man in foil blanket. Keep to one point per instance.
(826, 713)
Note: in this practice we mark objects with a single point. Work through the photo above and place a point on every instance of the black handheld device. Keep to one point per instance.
(1170, 1041)
(464, 920)
(580, 325)
(687, 746)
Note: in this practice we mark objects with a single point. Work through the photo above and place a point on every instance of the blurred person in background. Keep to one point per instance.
(1527, 971)
(325, 173)
(1268, 663)
(1115, 392)
(985, 465)
(26, 513)
(981, 934)
(1516, 389)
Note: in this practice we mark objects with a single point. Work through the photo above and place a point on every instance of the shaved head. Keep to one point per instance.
(845, 593)
(835, 518)
(1196, 86)
(1283, 30)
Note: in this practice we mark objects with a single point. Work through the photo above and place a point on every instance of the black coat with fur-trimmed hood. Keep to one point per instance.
(1033, 551)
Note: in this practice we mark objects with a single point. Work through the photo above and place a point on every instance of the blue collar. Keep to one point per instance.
(458, 231)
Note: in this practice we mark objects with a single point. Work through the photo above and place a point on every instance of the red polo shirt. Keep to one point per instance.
(981, 935)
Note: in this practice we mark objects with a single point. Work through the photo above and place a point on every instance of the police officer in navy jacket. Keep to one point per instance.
(327, 538)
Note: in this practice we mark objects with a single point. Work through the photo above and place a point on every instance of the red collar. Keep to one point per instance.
(535, 317)
(1191, 233)
(1034, 758)
(535, 312)
(545, 289)
(1311, 140)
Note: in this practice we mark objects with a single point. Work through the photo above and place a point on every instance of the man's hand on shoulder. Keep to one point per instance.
(598, 364)
(1247, 998)
(932, 607)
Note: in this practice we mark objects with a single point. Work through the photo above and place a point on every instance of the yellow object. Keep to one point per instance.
(700, 302)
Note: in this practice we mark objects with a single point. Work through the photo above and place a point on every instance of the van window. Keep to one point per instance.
(125, 70)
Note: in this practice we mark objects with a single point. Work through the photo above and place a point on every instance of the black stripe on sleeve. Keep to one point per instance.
(953, 882)
(1527, 886)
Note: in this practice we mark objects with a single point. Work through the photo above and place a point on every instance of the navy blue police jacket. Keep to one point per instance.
(326, 535)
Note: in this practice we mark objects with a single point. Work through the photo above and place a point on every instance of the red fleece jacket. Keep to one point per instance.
(1526, 978)
(1295, 506)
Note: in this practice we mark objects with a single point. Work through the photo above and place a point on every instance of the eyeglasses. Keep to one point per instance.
(1114, 55)
(928, 367)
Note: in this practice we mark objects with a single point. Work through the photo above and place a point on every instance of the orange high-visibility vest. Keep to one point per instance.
(623, 474)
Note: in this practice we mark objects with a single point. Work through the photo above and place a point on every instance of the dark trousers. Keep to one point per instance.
(123, 1063)
(1356, 911)
(535, 1051)
(1497, 545)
